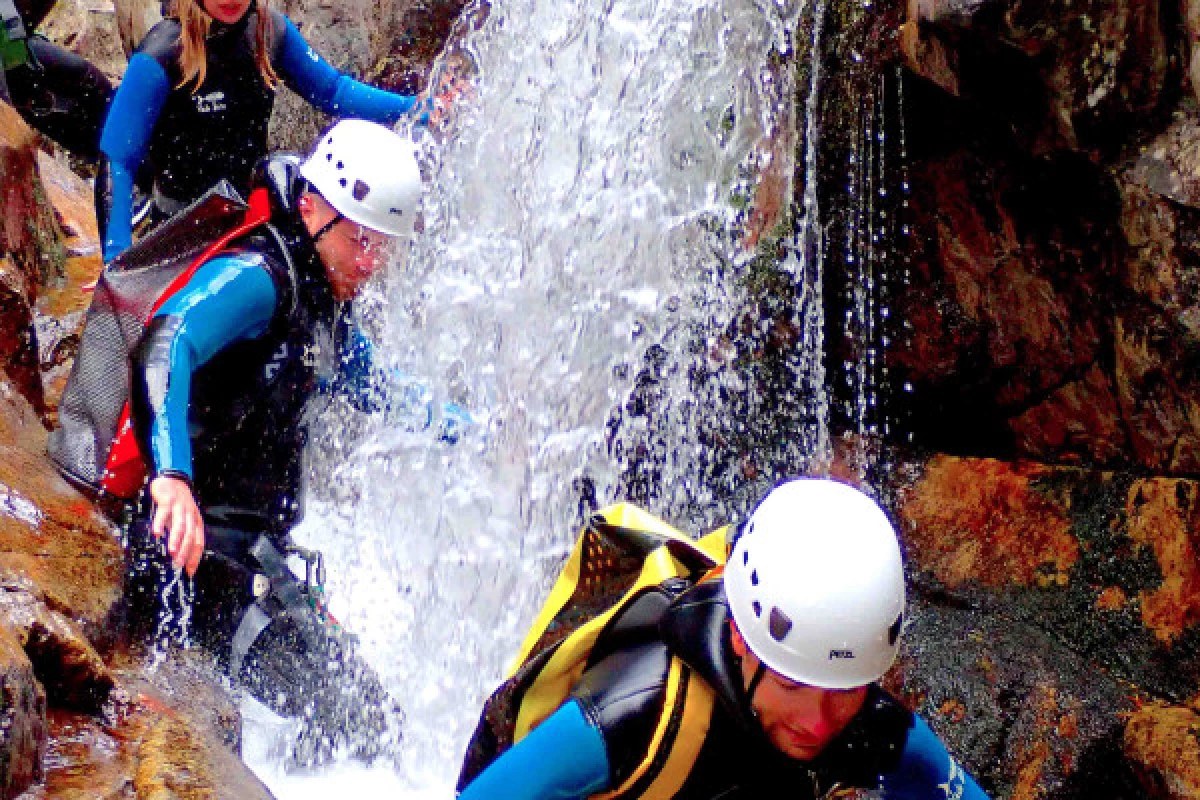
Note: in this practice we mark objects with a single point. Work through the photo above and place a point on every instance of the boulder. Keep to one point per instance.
(155, 744)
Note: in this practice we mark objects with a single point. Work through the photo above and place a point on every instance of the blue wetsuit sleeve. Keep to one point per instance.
(358, 377)
(228, 300)
(311, 77)
(564, 758)
(927, 771)
(125, 139)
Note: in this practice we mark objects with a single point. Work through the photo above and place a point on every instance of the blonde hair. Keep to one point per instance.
(194, 23)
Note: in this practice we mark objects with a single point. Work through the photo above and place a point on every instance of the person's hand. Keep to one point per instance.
(177, 515)
(435, 103)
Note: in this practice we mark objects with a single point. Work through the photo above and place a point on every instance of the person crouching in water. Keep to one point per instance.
(757, 679)
(195, 101)
(219, 385)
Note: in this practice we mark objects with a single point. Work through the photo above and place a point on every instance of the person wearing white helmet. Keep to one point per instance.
(221, 381)
(780, 652)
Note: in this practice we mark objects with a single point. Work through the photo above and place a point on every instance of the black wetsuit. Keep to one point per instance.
(56, 91)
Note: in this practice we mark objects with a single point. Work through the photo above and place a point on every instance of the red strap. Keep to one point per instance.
(259, 212)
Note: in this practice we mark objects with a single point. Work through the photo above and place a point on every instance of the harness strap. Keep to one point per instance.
(253, 623)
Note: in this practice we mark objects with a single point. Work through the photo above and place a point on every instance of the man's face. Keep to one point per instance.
(800, 720)
(350, 252)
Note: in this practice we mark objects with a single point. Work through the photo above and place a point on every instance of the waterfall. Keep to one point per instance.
(584, 273)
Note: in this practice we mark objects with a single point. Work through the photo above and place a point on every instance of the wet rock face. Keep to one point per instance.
(1053, 295)
(22, 719)
(1050, 605)
(51, 535)
(30, 253)
(389, 43)
(1065, 75)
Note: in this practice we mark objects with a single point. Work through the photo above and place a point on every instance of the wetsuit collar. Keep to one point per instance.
(696, 628)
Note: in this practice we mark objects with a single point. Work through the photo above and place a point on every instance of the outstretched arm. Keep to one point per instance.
(228, 300)
(311, 77)
(927, 771)
(124, 141)
(562, 759)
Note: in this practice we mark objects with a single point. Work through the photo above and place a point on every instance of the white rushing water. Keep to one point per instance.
(578, 214)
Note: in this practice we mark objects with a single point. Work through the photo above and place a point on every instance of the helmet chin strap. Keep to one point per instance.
(327, 227)
(754, 681)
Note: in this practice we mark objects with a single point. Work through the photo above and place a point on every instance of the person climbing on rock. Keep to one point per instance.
(755, 677)
(197, 98)
(57, 92)
(220, 377)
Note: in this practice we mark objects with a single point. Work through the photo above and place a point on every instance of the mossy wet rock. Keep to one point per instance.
(22, 718)
(1049, 605)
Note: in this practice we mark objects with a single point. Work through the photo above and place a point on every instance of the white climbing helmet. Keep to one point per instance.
(816, 585)
(369, 174)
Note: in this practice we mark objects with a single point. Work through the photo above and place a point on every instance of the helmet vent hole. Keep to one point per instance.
(340, 165)
(745, 558)
(754, 578)
(757, 608)
(361, 190)
(343, 182)
(778, 625)
(329, 140)
(329, 156)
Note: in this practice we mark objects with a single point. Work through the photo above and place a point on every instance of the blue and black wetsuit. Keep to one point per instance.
(596, 740)
(196, 136)
(220, 384)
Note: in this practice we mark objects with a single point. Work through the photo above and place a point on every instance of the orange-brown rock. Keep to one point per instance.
(984, 522)
(1161, 741)
(61, 306)
(30, 253)
(1164, 516)
(52, 535)
(22, 718)
(149, 748)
